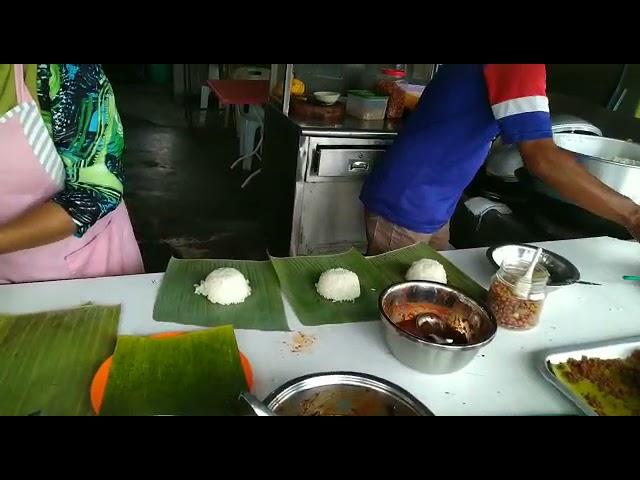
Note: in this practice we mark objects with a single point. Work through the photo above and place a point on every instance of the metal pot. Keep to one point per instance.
(598, 156)
(504, 160)
(344, 394)
(478, 326)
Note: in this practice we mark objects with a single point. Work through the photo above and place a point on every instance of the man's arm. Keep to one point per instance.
(517, 95)
(560, 170)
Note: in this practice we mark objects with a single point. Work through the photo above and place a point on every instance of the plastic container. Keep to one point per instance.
(511, 310)
(366, 105)
(390, 83)
(412, 94)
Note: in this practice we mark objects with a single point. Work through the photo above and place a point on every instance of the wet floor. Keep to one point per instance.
(183, 198)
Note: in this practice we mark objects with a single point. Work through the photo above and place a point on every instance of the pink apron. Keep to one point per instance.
(31, 173)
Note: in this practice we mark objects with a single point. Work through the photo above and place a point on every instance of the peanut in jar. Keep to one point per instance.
(510, 309)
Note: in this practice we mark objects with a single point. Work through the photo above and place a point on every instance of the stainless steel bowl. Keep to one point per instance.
(561, 271)
(476, 324)
(339, 394)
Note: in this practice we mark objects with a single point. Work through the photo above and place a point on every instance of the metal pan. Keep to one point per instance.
(344, 394)
(614, 162)
(607, 349)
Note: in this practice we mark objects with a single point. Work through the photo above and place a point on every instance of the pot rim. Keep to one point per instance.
(384, 385)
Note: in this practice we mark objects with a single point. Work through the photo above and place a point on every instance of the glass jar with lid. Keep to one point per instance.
(389, 84)
(511, 308)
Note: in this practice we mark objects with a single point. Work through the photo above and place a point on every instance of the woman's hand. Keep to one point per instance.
(44, 224)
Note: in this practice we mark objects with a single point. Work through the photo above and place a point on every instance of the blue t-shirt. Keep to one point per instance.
(440, 149)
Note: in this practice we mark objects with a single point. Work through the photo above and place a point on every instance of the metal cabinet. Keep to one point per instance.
(328, 215)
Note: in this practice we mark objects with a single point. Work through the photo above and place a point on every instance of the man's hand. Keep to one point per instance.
(560, 170)
(633, 224)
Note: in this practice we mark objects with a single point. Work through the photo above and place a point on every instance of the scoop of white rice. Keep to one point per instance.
(427, 270)
(339, 285)
(225, 286)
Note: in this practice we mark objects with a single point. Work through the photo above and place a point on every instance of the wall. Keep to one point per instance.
(593, 82)
(198, 72)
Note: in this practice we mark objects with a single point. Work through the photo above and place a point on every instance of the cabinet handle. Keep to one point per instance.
(359, 165)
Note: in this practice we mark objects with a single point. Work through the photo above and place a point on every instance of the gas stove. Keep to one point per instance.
(533, 217)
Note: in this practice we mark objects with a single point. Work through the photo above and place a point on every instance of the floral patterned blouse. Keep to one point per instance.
(79, 109)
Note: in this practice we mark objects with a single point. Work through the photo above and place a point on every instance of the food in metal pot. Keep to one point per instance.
(410, 316)
(343, 394)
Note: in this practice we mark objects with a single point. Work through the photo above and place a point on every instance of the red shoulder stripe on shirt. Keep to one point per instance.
(509, 81)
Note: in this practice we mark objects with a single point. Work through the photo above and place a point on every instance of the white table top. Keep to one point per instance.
(502, 380)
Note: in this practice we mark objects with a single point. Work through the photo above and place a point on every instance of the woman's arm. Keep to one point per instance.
(78, 106)
(46, 223)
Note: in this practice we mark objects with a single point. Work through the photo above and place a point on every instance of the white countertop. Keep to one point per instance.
(502, 380)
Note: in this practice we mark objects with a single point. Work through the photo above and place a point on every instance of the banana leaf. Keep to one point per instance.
(48, 359)
(192, 374)
(177, 303)
(394, 266)
(299, 275)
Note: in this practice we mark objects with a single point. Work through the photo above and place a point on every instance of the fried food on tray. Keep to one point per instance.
(610, 387)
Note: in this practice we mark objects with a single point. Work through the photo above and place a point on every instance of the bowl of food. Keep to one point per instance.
(561, 271)
(434, 328)
(344, 394)
(327, 98)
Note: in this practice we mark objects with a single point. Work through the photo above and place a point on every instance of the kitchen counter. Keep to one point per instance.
(612, 124)
(502, 380)
(348, 126)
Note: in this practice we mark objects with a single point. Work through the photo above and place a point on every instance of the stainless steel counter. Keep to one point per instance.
(613, 124)
(347, 127)
(312, 173)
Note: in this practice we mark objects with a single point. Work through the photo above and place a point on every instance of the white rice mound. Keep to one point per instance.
(339, 285)
(427, 270)
(225, 286)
